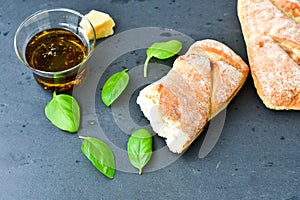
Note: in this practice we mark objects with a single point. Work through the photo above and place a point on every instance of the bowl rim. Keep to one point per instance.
(39, 12)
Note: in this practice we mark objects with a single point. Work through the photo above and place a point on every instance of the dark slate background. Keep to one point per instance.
(257, 156)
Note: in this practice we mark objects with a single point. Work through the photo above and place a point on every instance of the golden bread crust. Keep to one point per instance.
(290, 8)
(201, 84)
(229, 73)
(272, 34)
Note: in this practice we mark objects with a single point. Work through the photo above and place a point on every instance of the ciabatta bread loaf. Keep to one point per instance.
(201, 84)
(272, 33)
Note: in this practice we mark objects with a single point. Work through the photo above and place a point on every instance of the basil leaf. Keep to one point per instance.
(162, 50)
(64, 112)
(114, 86)
(100, 155)
(139, 148)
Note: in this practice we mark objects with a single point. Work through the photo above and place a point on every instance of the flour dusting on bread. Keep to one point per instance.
(272, 33)
(201, 84)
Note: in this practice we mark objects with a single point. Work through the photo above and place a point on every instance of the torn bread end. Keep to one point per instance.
(176, 139)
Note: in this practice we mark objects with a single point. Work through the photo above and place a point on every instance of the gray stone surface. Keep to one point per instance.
(257, 156)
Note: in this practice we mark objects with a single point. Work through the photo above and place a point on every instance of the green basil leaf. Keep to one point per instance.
(114, 86)
(139, 148)
(162, 50)
(64, 112)
(100, 155)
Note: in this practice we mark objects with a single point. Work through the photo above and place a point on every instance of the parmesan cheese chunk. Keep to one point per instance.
(103, 24)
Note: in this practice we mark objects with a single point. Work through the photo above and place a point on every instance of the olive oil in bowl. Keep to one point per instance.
(56, 51)
(55, 46)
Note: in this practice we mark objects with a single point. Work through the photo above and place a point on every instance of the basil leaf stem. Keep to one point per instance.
(162, 50)
(64, 112)
(139, 148)
(114, 86)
